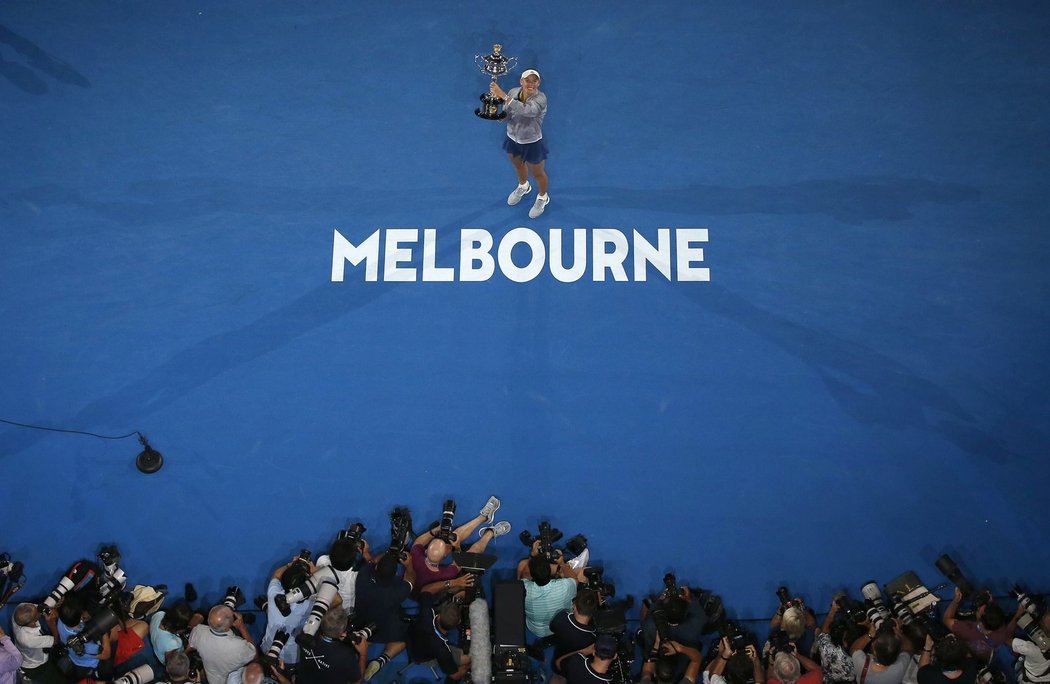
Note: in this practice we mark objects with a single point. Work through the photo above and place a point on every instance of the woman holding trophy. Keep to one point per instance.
(525, 107)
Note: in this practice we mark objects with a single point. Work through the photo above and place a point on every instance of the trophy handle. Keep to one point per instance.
(479, 62)
(511, 63)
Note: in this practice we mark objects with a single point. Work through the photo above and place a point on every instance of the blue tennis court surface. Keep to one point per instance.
(859, 387)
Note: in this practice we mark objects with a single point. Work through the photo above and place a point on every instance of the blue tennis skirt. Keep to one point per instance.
(532, 153)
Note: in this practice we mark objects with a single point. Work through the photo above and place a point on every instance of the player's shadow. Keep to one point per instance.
(25, 78)
(850, 200)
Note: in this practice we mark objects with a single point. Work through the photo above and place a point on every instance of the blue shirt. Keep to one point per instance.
(162, 640)
(91, 648)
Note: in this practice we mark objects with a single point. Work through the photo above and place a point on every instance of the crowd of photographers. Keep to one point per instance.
(345, 616)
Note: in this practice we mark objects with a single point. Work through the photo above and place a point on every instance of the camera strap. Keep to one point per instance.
(864, 672)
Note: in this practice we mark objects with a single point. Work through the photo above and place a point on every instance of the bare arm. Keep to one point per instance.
(457, 584)
(949, 613)
(718, 663)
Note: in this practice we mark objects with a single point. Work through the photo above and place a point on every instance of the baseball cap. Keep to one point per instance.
(530, 72)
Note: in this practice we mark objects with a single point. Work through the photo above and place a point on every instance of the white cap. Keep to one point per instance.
(530, 72)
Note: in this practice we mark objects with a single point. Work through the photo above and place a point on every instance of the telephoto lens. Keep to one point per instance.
(363, 634)
(954, 575)
(273, 654)
(233, 599)
(143, 674)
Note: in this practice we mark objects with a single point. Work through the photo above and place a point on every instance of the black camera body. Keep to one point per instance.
(597, 582)
(852, 609)
(109, 555)
(951, 571)
(787, 601)
(12, 578)
(400, 529)
(196, 672)
(354, 534)
(446, 531)
(548, 537)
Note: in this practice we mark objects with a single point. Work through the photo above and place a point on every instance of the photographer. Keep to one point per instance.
(380, 593)
(547, 593)
(988, 631)
(886, 663)
(72, 618)
(286, 578)
(179, 668)
(830, 643)
(167, 626)
(787, 667)
(10, 659)
(329, 659)
(429, 634)
(664, 668)
(742, 666)
(1036, 666)
(591, 665)
(430, 550)
(571, 629)
(951, 664)
(34, 645)
(220, 649)
(795, 621)
(684, 615)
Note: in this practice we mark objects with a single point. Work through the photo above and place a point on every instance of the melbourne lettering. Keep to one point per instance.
(521, 255)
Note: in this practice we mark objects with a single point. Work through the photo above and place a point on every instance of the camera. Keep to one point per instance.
(446, 532)
(612, 621)
(400, 530)
(143, 674)
(12, 578)
(196, 672)
(363, 634)
(273, 654)
(596, 582)
(1032, 605)
(548, 537)
(951, 571)
(1029, 619)
(875, 606)
(104, 619)
(738, 637)
(902, 611)
(354, 535)
(109, 555)
(671, 585)
(786, 601)
(234, 599)
(779, 641)
(852, 609)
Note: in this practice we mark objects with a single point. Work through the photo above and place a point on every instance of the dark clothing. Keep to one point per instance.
(689, 631)
(569, 635)
(578, 670)
(328, 662)
(379, 602)
(426, 642)
(930, 674)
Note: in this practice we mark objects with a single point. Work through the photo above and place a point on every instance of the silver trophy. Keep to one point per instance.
(495, 64)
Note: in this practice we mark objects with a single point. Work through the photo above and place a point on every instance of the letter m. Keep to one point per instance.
(343, 250)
